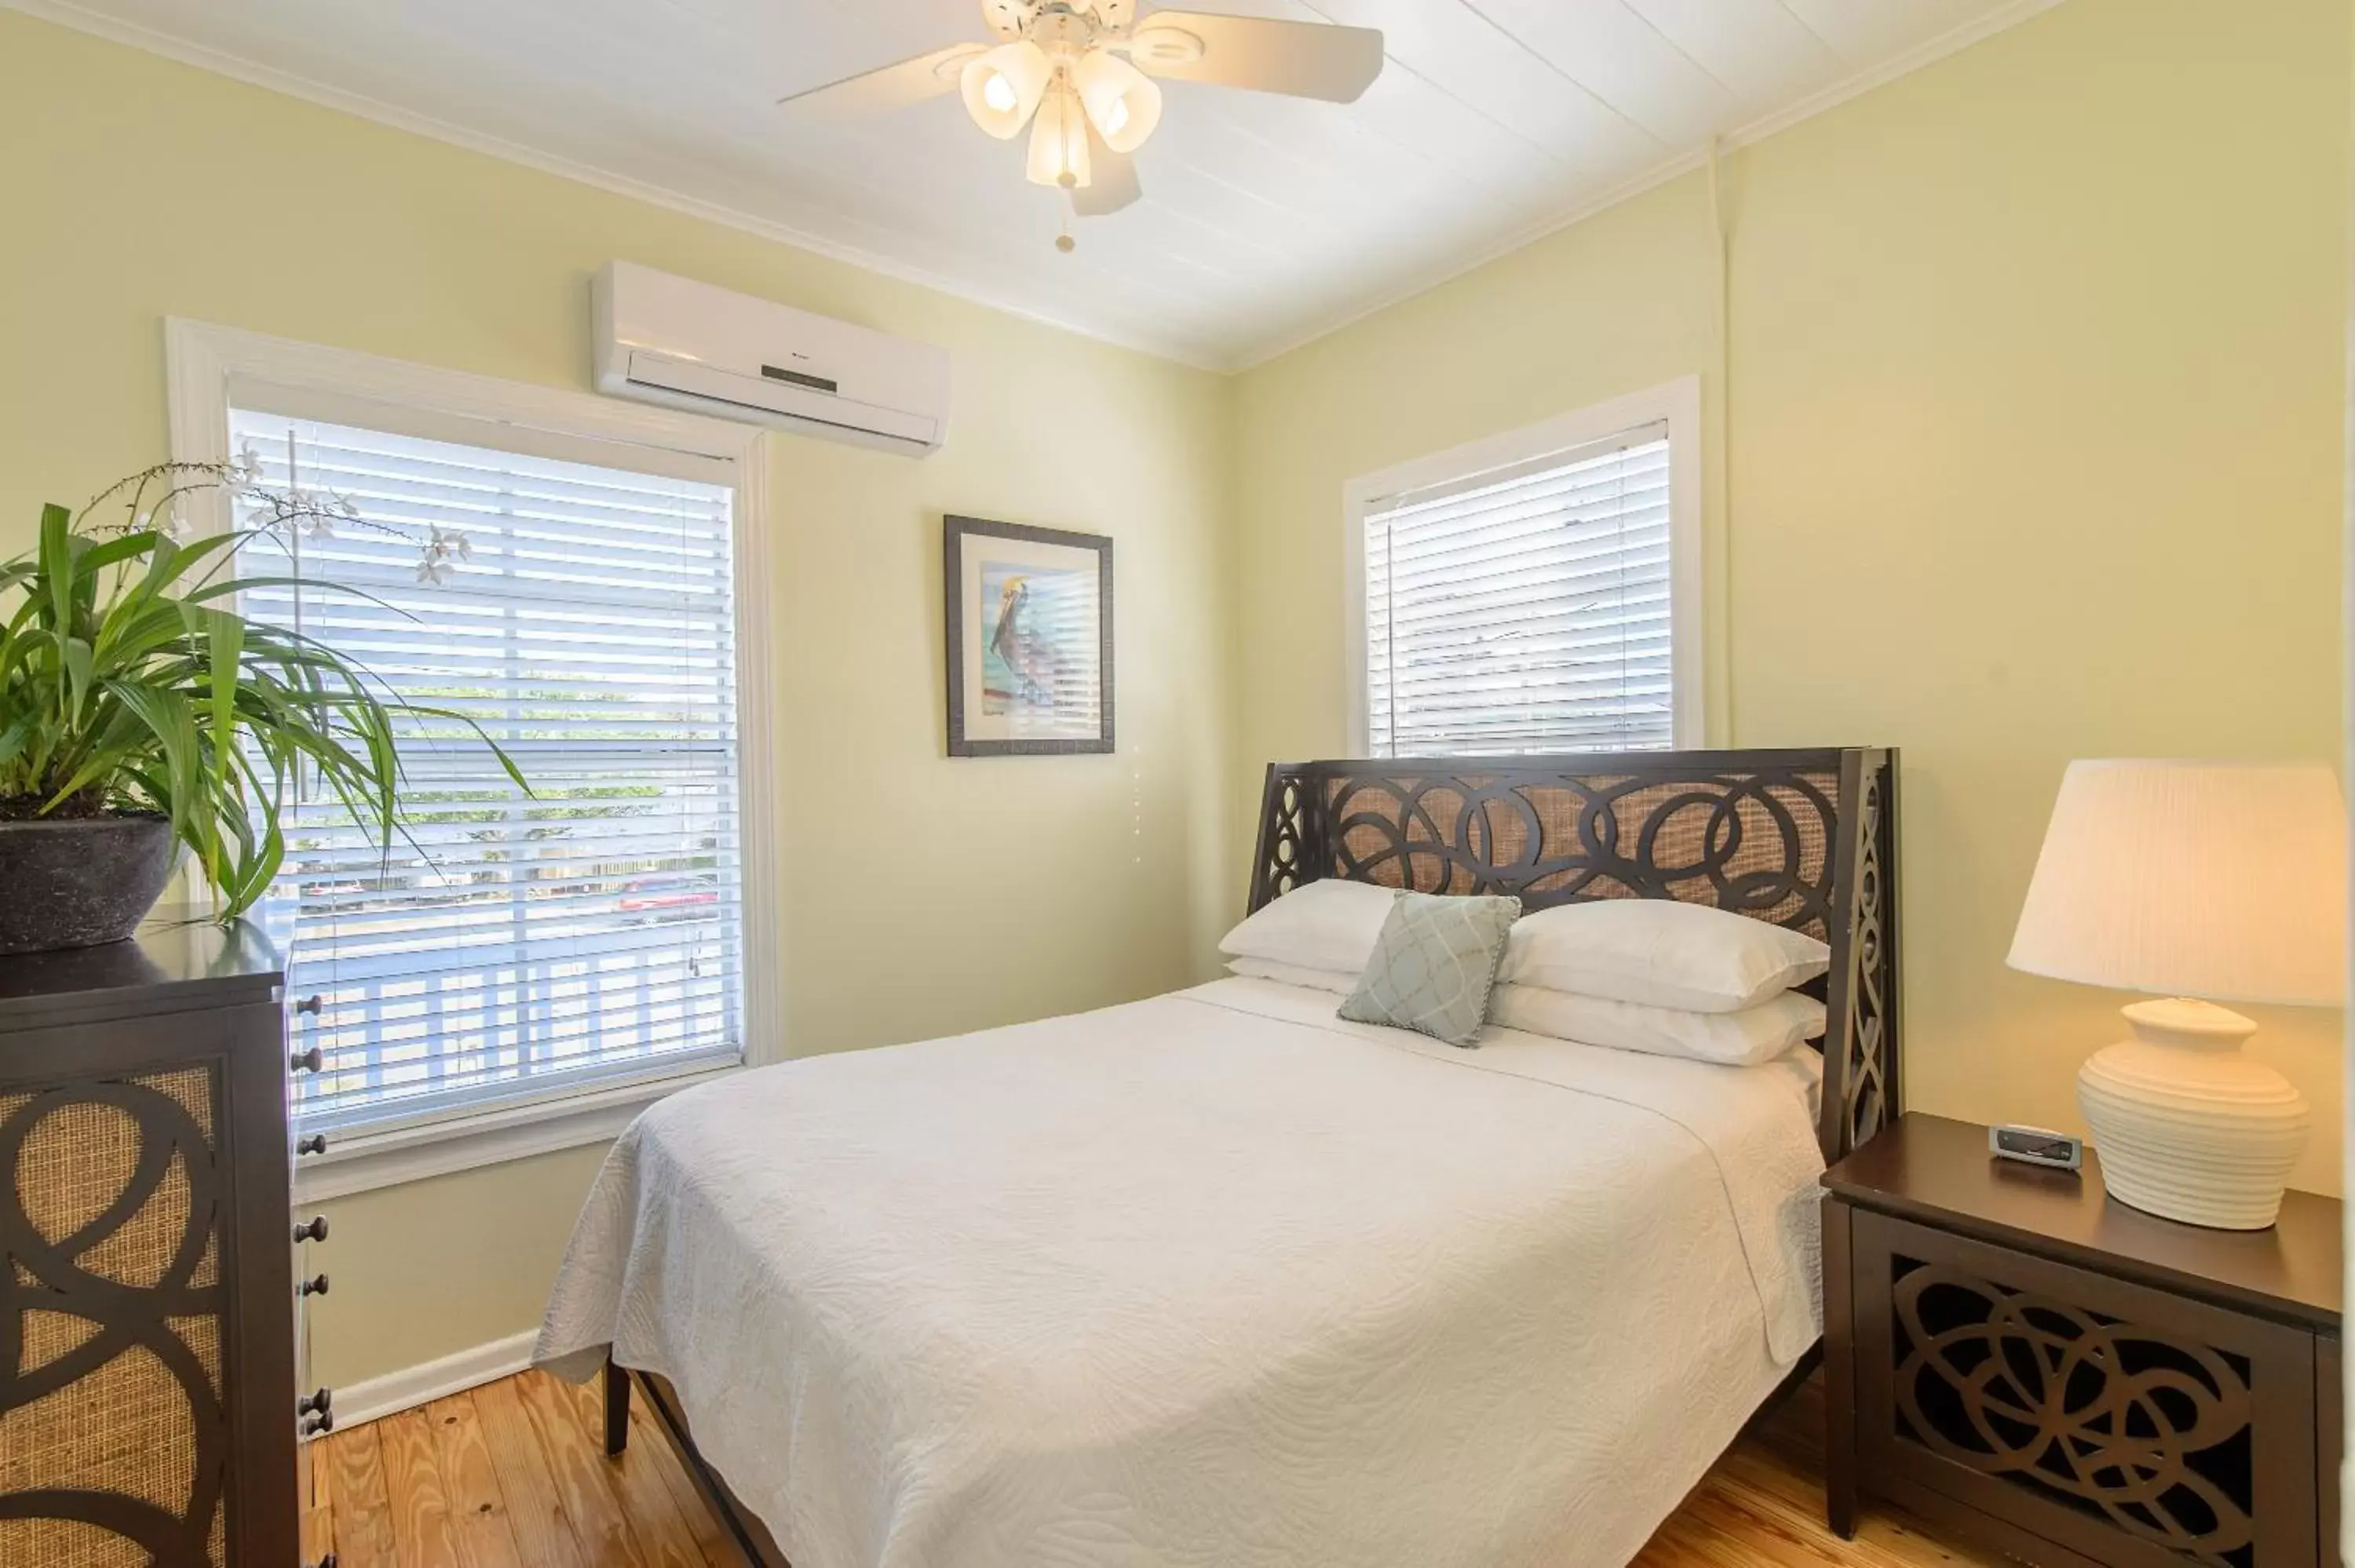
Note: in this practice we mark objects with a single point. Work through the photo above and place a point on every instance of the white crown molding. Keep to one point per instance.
(371, 1399)
(67, 14)
(2000, 20)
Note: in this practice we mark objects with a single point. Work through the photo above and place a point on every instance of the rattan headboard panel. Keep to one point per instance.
(1805, 839)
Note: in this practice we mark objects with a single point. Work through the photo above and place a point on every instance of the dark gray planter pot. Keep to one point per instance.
(79, 883)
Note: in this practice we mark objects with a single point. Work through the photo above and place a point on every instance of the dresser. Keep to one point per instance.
(2069, 1379)
(148, 1404)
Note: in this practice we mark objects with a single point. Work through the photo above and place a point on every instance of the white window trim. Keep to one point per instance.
(1677, 402)
(208, 370)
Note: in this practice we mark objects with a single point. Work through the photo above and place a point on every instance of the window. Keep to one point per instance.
(1531, 594)
(513, 944)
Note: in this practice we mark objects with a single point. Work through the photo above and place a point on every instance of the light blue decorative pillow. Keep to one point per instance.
(1434, 964)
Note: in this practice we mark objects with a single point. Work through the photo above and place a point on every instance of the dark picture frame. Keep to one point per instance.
(960, 540)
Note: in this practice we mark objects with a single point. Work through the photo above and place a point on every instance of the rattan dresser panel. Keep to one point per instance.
(111, 1220)
(146, 1397)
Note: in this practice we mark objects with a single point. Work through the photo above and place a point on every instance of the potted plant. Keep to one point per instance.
(142, 716)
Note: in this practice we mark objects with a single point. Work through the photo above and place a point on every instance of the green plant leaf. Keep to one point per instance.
(139, 683)
(77, 656)
(228, 647)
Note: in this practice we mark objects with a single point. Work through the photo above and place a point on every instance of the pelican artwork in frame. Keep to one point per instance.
(1029, 638)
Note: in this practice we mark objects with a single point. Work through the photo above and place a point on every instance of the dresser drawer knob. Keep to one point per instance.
(306, 1061)
(314, 1286)
(318, 1403)
(317, 1424)
(309, 1004)
(311, 1143)
(317, 1230)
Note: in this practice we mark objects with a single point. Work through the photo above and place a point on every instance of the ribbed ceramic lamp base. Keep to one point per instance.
(2187, 1126)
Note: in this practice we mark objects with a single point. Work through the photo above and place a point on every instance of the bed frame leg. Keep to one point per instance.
(617, 1407)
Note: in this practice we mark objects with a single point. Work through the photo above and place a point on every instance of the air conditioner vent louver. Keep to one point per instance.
(801, 378)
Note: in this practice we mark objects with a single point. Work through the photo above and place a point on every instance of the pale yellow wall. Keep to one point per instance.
(2036, 396)
(921, 895)
(2035, 455)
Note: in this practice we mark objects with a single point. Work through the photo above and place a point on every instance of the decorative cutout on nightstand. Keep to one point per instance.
(2141, 1425)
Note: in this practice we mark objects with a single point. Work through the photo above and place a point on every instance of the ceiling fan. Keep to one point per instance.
(1058, 70)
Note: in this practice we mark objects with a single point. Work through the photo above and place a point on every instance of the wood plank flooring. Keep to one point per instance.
(514, 1475)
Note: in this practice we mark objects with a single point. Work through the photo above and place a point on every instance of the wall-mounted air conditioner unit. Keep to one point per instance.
(686, 344)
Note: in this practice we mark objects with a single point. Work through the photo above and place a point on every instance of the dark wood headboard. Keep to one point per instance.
(1805, 839)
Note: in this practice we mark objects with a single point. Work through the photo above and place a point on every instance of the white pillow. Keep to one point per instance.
(1740, 1038)
(1660, 953)
(1327, 925)
(1340, 982)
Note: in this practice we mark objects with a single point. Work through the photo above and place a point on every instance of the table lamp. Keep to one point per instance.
(2198, 881)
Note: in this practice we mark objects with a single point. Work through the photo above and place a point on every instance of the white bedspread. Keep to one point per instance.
(1213, 1280)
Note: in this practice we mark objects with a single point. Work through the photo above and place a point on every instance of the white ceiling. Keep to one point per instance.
(1265, 220)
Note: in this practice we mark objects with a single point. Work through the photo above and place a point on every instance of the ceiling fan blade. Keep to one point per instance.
(1112, 180)
(1304, 59)
(881, 91)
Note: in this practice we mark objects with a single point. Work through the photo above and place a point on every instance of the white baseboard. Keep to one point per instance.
(412, 1386)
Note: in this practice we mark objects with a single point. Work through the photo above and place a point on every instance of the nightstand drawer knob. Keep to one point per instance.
(317, 1424)
(314, 1286)
(306, 1061)
(318, 1403)
(315, 1230)
(311, 1143)
(310, 1004)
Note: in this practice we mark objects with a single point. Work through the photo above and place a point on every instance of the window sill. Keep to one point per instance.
(362, 1161)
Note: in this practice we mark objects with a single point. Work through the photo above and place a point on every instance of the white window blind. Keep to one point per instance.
(512, 944)
(1525, 608)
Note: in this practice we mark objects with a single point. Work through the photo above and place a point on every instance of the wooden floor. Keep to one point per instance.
(514, 1475)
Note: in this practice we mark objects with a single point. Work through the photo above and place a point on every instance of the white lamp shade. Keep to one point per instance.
(1059, 142)
(1001, 88)
(1124, 102)
(2217, 880)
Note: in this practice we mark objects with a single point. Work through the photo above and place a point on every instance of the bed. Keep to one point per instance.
(1218, 1278)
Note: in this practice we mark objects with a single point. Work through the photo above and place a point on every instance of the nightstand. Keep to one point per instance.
(2070, 1381)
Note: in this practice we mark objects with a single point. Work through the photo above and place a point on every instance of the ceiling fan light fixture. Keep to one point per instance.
(1124, 102)
(1003, 87)
(1059, 142)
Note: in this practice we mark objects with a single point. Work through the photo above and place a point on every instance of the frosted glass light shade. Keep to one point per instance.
(1124, 102)
(1003, 87)
(1059, 142)
(2217, 880)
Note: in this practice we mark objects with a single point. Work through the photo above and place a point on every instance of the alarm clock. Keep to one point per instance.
(2037, 1146)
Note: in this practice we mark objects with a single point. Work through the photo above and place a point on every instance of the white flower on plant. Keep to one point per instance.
(443, 547)
(244, 471)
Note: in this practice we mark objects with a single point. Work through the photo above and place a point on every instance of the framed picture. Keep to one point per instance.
(1029, 638)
